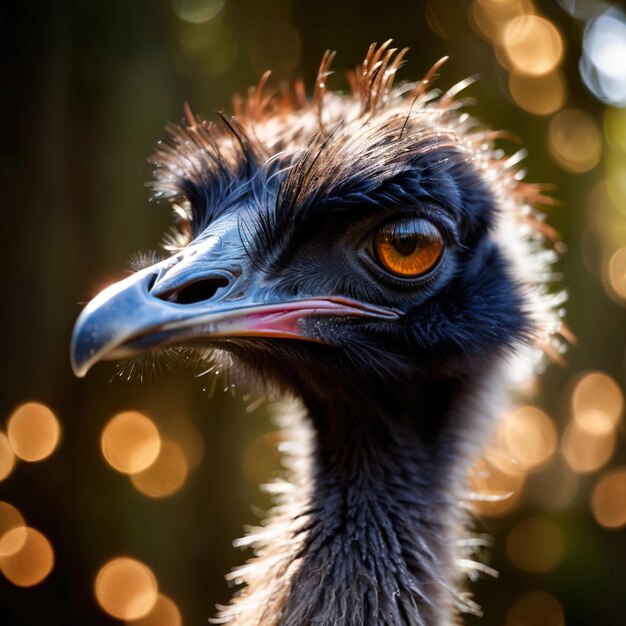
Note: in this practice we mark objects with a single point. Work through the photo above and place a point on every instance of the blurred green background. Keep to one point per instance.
(87, 88)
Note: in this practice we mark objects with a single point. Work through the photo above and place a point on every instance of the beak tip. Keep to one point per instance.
(83, 351)
(79, 372)
(80, 365)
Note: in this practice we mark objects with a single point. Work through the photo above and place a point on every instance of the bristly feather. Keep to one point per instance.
(294, 160)
(375, 133)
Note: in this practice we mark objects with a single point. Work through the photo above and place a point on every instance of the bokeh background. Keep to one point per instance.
(99, 510)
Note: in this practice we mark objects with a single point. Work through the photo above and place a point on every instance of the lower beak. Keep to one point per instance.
(126, 320)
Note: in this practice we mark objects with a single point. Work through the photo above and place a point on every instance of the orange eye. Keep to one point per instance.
(409, 248)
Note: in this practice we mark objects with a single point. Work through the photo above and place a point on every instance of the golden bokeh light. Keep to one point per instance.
(597, 403)
(616, 275)
(163, 613)
(488, 17)
(529, 436)
(7, 457)
(540, 95)
(166, 475)
(536, 609)
(574, 141)
(130, 442)
(13, 541)
(32, 562)
(531, 45)
(585, 452)
(494, 492)
(11, 519)
(33, 431)
(126, 588)
(596, 421)
(608, 501)
(535, 545)
(501, 458)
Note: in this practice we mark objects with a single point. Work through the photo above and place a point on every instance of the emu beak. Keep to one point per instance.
(186, 300)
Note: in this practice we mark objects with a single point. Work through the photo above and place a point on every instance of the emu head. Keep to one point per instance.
(337, 244)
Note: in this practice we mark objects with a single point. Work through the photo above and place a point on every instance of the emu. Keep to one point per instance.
(378, 257)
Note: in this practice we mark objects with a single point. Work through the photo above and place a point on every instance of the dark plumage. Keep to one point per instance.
(286, 212)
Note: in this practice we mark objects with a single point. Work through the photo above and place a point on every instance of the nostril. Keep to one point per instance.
(151, 280)
(198, 290)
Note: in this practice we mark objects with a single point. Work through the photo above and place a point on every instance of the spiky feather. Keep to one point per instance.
(294, 155)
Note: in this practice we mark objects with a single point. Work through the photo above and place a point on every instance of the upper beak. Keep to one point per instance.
(155, 308)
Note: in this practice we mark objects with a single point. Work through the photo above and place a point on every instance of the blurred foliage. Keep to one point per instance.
(86, 90)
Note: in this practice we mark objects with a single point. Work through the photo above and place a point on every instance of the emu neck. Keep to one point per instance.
(367, 533)
(382, 516)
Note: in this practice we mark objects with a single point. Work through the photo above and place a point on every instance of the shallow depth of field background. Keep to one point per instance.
(99, 511)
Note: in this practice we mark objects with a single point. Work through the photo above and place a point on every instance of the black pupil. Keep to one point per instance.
(405, 244)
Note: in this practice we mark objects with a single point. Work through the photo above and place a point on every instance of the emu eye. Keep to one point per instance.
(408, 248)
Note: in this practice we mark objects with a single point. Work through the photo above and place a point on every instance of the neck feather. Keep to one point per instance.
(369, 530)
